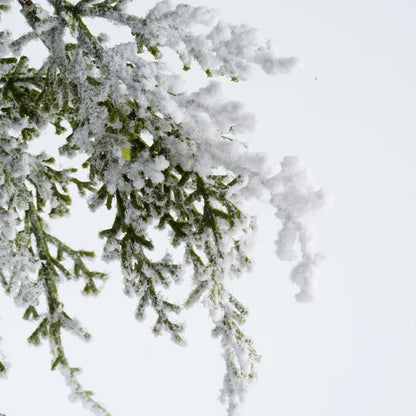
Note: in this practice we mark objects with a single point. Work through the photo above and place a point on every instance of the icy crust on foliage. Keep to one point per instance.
(26, 178)
(224, 49)
(239, 354)
(18, 170)
(14, 168)
(78, 392)
(153, 151)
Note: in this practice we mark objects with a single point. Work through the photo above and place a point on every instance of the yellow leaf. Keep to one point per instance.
(126, 153)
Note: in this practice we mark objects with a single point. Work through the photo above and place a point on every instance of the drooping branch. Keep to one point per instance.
(56, 319)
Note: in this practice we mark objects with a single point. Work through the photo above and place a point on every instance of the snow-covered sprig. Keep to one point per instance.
(162, 156)
(30, 183)
(127, 241)
(55, 319)
(227, 50)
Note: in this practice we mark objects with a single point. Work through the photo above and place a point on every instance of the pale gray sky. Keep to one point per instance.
(350, 116)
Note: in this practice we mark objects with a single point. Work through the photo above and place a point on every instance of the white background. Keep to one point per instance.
(350, 116)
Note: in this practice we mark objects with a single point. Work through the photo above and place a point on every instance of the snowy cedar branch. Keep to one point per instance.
(157, 155)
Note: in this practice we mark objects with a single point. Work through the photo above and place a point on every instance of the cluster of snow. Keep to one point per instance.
(231, 50)
(297, 200)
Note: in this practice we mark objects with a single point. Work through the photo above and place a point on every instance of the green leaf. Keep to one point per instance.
(56, 362)
(30, 313)
(154, 50)
(11, 60)
(195, 295)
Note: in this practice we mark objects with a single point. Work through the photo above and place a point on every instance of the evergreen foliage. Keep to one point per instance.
(159, 156)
